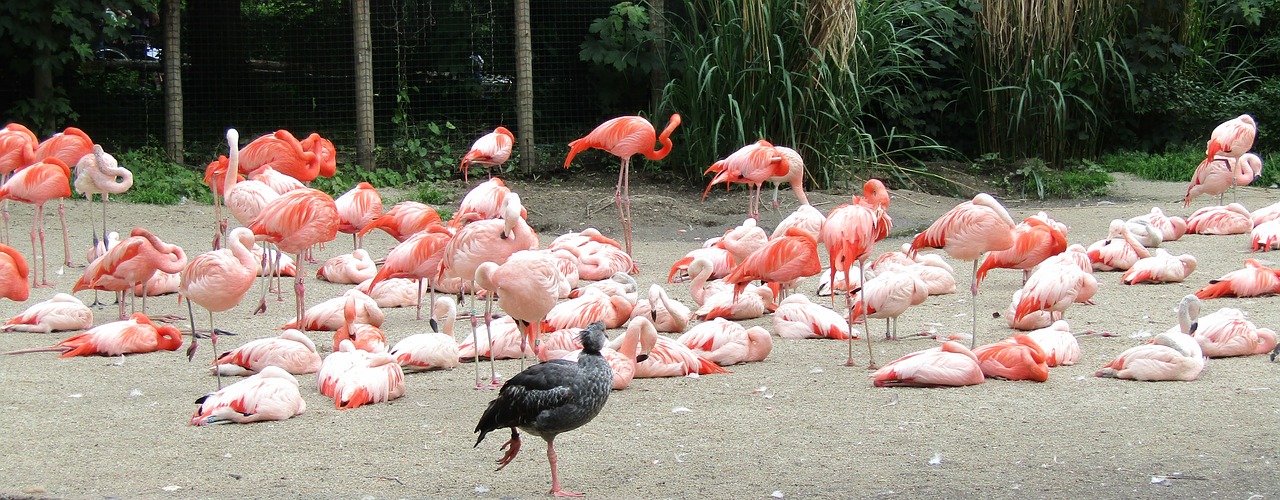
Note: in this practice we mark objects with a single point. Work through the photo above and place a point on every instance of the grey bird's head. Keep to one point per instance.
(592, 338)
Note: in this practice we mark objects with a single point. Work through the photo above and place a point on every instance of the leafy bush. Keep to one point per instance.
(158, 181)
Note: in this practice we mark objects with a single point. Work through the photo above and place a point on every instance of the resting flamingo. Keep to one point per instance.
(1034, 240)
(797, 317)
(1060, 347)
(354, 378)
(330, 315)
(625, 137)
(1119, 251)
(850, 233)
(291, 351)
(745, 239)
(1265, 236)
(1231, 219)
(1172, 355)
(1016, 358)
(966, 232)
(436, 350)
(1253, 280)
(136, 335)
(482, 202)
(667, 358)
(728, 343)
(1233, 137)
(1171, 228)
(348, 268)
(752, 164)
(99, 173)
(806, 218)
(668, 314)
(363, 336)
(356, 209)
(35, 185)
(217, 280)
(1054, 288)
(490, 150)
(418, 257)
(13, 275)
(1162, 267)
(270, 395)
(948, 365)
(60, 313)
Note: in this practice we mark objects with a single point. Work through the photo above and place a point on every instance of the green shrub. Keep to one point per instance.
(159, 181)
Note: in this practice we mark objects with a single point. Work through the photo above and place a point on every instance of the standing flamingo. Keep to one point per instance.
(482, 202)
(295, 222)
(752, 164)
(101, 174)
(17, 150)
(13, 275)
(527, 285)
(1233, 137)
(490, 150)
(217, 280)
(489, 240)
(131, 262)
(282, 152)
(624, 137)
(966, 232)
(69, 146)
(1220, 173)
(356, 209)
(404, 219)
(1034, 240)
(887, 295)
(418, 257)
(269, 395)
(782, 260)
(794, 176)
(35, 185)
(850, 233)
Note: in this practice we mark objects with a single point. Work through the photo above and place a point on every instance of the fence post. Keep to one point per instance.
(171, 61)
(524, 85)
(364, 83)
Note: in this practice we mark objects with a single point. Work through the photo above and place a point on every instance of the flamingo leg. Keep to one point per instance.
(973, 292)
(213, 340)
(299, 291)
(622, 197)
(555, 474)
(488, 328)
(419, 299)
(191, 351)
(37, 228)
(4, 213)
(476, 339)
(269, 265)
(104, 215)
(848, 302)
(66, 237)
(871, 355)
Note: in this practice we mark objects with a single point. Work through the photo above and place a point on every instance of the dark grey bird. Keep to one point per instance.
(549, 398)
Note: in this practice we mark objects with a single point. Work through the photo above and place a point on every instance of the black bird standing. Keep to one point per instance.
(549, 398)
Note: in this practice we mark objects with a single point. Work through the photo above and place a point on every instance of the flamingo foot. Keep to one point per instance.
(262, 307)
(512, 446)
(564, 494)
(1275, 352)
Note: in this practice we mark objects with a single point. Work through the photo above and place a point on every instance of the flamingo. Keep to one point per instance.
(1253, 280)
(1171, 228)
(948, 365)
(418, 257)
(356, 209)
(1119, 251)
(292, 352)
(798, 317)
(69, 147)
(1016, 358)
(618, 284)
(131, 262)
(431, 351)
(348, 268)
(527, 284)
(1220, 173)
(719, 260)
(1162, 267)
(887, 296)
(354, 378)
(269, 395)
(482, 202)
(496, 339)
(805, 217)
(160, 283)
(1265, 236)
(850, 233)
(36, 185)
(752, 164)
(136, 335)
(794, 176)
(295, 222)
(666, 357)
(1233, 137)
(215, 175)
(282, 152)
(745, 239)
(490, 150)
(17, 150)
(1231, 219)
(392, 292)
(278, 181)
(13, 275)
(1172, 355)
(754, 302)
(591, 306)
(100, 173)
(60, 313)
(1227, 332)
(1053, 289)
(727, 343)
(1034, 240)
(595, 257)
(667, 313)
(1031, 321)
(625, 137)
(326, 153)
(365, 337)
(1265, 214)
(622, 359)
(489, 240)
(1059, 345)
(783, 260)
(966, 232)
(330, 315)
(403, 220)
(217, 280)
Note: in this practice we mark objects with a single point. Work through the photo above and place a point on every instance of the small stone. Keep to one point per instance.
(171, 488)
(35, 489)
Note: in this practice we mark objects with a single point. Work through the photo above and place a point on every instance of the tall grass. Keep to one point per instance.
(798, 75)
(1044, 73)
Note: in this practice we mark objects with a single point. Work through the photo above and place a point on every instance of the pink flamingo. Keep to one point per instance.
(591, 306)
(1218, 174)
(793, 177)
(354, 378)
(1233, 137)
(666, 357)
(13, 275)
(1119, 251)
(363, 336)
(36, 185)
(1171, 228)
(755, 301)
(728, 343)
(1265, 214)
(136, 335)
(782, 260)
(752, 164)
(132, 262)
(1034, 240)
(798, 317)
(392, 292)
(1253, 280)
(284, 153)
(1265, 236)
(1227, 332)
(719, 259)
(624, 359)
(215, 176)
(291, 351)
(667, 313)
(527, 284)
(1059, 345)
(595, 259)
(1053, 289)
(403, 220)
(483, 202)
(887, 296)
(1162, 267)
(348, 268)
(217, 280)
(99, 173)
(496, 339)
(17, 150)
(489, 240)
(269, 395)
(60, 313)
(1016, 358)
(419, 257)
(1172, 355)
(330, 315)
(948, 365)
(1031, 321)
(1231, 219)
(436, 350)
(806, 218)
(966, 232)
(295, 222)
(850, 233)
(745, 239)
(278, 181)
(625, 137)
(490, 150)
(68, 146)
(326, 154)
(356, 209)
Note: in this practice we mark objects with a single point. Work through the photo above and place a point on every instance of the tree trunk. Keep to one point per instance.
(171, 63)
(364, 83)
(524, 85)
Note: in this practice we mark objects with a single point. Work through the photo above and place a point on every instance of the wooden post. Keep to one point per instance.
(524, 85)
(171, 67)
(364, 83)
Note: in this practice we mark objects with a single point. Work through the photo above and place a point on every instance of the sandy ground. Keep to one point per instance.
(798, 425)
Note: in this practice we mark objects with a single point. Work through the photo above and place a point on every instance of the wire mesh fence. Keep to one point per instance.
(443, 74)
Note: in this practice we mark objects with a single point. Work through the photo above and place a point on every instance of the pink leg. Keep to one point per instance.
(973, 291)
(555, 474)
(298, 291)
(419, 299)
(66, 238)
(37, 230)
